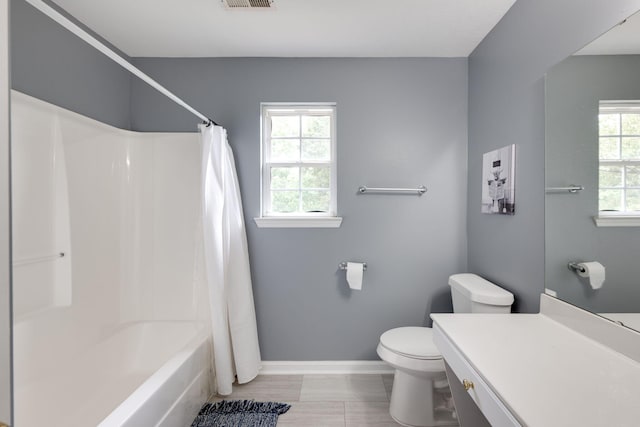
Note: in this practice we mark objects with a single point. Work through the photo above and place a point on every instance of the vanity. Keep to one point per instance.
(561, 367)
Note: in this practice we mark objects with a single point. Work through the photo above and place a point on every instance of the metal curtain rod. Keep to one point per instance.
(101, 47)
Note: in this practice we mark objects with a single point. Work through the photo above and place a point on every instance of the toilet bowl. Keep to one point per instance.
(421, 396)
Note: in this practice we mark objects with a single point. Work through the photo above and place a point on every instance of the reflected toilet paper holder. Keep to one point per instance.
(343, 265)
(576, 267)
(592, 270)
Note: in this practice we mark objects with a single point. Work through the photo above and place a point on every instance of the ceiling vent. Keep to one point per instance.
(244, 4)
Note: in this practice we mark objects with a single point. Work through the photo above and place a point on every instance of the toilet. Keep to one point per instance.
(421, 396)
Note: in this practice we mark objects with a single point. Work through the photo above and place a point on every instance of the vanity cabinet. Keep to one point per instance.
(477, 405)
(541, 370)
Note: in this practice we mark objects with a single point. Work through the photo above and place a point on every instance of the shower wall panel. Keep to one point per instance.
(124, 208)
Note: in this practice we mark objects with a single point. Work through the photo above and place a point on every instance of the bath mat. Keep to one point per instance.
(240, 413)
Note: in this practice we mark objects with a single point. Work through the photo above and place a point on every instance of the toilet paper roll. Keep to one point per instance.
(354, 275)
(594, 271)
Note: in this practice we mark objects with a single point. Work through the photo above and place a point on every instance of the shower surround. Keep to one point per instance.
(115, 331)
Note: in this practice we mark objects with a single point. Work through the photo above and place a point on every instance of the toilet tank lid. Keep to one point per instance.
(480, 290)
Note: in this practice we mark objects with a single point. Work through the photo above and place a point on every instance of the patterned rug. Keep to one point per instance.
(240, 413)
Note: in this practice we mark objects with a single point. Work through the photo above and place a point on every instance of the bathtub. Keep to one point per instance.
(107, 335)
(149, 374)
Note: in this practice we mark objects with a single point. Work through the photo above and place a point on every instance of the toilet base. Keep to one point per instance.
(412, 402)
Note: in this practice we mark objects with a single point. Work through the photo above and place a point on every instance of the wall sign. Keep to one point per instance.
(498, 181)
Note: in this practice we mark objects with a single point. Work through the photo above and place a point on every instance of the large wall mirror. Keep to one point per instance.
(593, 142)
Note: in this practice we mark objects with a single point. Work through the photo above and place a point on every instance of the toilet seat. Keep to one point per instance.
(412, 341)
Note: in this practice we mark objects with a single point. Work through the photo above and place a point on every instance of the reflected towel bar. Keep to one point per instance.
(419, 191)
(573, 189)
(35, 260)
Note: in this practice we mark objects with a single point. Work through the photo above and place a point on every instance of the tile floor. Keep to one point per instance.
(360, 400)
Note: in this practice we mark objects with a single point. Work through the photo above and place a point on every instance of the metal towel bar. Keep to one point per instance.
(571, 189)
(419, 191)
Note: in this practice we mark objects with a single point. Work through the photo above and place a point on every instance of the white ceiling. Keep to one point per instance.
(292, 28)
(623, 39)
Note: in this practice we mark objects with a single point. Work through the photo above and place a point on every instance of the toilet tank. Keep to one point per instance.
(473, 294)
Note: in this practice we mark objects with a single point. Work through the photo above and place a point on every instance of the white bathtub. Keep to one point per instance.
(107, 334)
(149, 374)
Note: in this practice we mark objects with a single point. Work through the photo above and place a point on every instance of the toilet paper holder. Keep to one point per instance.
(343, 265)
(576, 267)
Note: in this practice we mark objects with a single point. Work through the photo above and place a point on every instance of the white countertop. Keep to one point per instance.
(545, 373)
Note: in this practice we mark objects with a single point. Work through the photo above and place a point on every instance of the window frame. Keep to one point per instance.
(624, 218)
(296, 219)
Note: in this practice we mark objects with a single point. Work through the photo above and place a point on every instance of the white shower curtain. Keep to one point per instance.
(233, 318)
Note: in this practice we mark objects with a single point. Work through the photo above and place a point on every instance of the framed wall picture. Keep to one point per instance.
(498, 181)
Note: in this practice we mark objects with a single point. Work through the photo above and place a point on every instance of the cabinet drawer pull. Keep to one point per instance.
(467, 384)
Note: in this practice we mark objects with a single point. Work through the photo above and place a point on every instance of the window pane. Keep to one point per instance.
(630, 148)
(633, 200)
(609, 149)
(610, 176)
(285, 178)
(610, 200)
(285, 150)
(317, 201)
(633, 176)
(609, 124)
(316, 126)
(284, 201)
(285, 126)
(316, 150)
(316, 177)
(631, 124)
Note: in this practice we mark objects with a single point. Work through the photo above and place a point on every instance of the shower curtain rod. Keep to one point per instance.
(101, 47)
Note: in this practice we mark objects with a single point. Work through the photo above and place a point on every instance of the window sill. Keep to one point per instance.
(298, 222)
(617, 221)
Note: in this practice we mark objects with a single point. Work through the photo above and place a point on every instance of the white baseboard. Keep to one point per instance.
(325, 367)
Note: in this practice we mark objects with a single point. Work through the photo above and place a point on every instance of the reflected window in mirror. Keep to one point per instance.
(619, 159)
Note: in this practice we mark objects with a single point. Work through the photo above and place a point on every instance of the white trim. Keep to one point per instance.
(618, 109)
(325, 367)
(298, 222)
(617, 221)
(268, 110)
(619, 106)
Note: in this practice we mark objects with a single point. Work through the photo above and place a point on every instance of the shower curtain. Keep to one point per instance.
(233, 319)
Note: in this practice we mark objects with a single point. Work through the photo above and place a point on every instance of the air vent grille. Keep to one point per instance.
(247, 3)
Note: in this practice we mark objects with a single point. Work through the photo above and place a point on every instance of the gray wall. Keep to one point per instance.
(574, 88)
(506, 105)
(400, 122)
(52, 64)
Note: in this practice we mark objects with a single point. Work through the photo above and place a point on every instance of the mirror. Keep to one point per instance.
(6, 391)
(592, 143)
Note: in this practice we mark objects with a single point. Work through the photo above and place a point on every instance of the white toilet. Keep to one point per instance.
(421, 395)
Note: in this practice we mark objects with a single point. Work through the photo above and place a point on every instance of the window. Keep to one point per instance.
(298, 166)
(619, 161)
